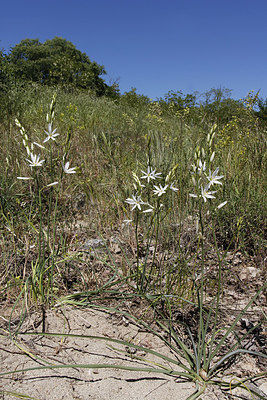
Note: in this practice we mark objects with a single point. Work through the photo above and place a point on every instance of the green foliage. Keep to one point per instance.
(262, 112)
(3, 69)
(110, 138)
(179, 100)
(57, 62)
(220, 107)
(134, 100)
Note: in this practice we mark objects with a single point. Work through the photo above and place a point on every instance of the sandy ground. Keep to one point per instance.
(87, 384)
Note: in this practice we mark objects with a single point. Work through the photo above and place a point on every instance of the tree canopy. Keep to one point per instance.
(56, 62)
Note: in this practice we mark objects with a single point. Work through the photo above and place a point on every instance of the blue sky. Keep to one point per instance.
(155, 46)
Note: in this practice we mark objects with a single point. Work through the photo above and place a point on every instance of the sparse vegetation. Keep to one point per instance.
(141, 177)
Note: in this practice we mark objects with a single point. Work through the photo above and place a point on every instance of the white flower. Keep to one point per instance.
(194, 167)
(194, 181)
(127, 221)
(135, 201)
(173, 188)
(35, 160)
(201, 166)
(159, 190)
(52, 184)
(50, 134)
(67, 168)
(212, 156)
(205, 194)
(150, 174)
(222, 204)
(151, 209)
(214, 178)
(39, 145)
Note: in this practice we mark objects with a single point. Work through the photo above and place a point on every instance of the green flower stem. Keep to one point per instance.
(137, 249)
(153, 225)
(218, 297)
(50, 198)
(53, 248)
(38, 270)
(201, 338)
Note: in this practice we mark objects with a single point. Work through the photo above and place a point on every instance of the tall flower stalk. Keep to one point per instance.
(149, 202)
(44, 266)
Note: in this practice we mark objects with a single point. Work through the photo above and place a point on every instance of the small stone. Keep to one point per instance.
(248, 273)
(263, 388)
(93, 244)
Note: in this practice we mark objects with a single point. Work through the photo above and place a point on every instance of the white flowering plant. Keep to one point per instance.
(150, 200)
(45, 175)
(148, 194)
(203, 179)
(205, 355)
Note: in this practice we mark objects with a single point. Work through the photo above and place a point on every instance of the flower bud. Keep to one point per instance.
(212, 156)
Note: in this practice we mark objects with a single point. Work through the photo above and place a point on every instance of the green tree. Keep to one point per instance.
(179, 100)
(57, 62)
(219, 105)
(216, 96)
(134, 100)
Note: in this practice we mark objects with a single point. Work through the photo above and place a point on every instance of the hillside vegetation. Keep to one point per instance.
(107, 196)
